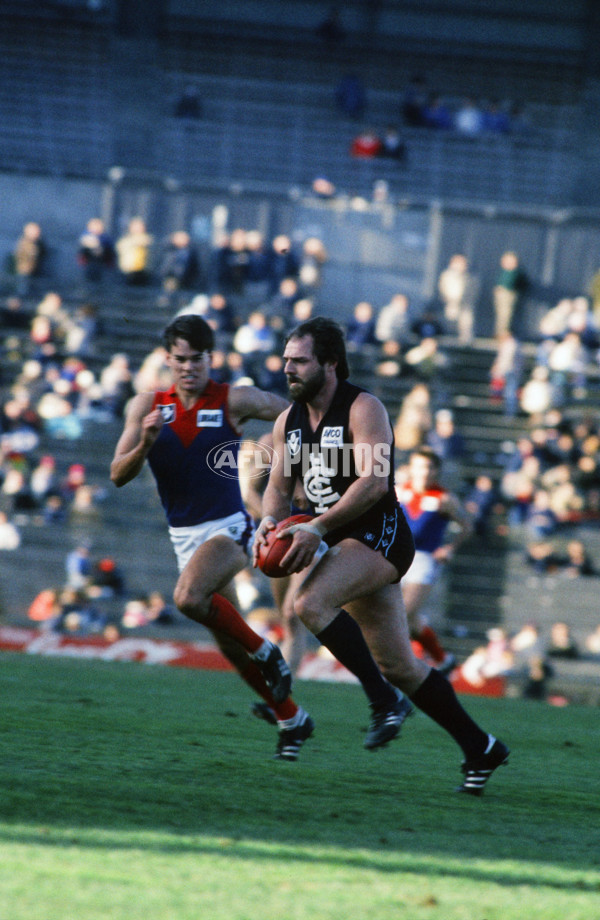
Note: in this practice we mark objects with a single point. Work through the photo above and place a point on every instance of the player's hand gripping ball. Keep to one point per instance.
(272, 552)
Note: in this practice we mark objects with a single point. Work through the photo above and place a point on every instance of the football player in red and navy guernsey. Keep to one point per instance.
(428, 508)
(188, 433)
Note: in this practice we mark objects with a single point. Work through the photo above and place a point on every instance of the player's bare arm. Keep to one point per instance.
(142, 427)
(249, 402)
(371, 440)
(278, 493)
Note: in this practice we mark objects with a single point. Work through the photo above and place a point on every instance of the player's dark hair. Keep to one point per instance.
(328, 342)
(192, 329)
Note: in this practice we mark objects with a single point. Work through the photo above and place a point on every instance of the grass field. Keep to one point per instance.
(131, 792)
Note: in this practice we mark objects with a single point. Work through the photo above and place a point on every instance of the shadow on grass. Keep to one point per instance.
(468, 869)
(96, 751)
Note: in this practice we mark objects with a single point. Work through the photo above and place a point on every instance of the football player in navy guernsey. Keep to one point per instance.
(181, 433)
(337, 438)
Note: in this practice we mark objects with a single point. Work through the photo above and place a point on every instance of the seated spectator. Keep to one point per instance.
(43, 478)
(468, 119)
(280, 306)
(82, 331)
(350, 96)
(592, 641)
(392, 320)
(54, 510)
(158, 611)
(444, 439)
(330, 30)
(10, 535)
(366, 145)
(16, 487)
(107, 579)
(78, 567)
(424, 359)
(489, 661)
(562, 644)
(96, 251)
(271, 375)
(14, 314)
(323, 187)
(536, 394)
(219, 371)
(480, 502)
(283, 261)
(427, 326)
(436, 113)
(312, 259)
(414, 101)
(567, 364)
(449, 445)
(302, 311)
(189, 104)
(578, 561)
(237, 370)
(581, 320)
(77, 614)
(28, 258)
(75, 477)
(518, 487)
(540, 520)
(543, 557)
(45, 605)
(495, 119)
(133, 253)
(220, 316)
(506, 372)
(135, 613)
(180, 267)
(254, 337)
(392, 144)
(390, 364)
(360, 330)
(153, 374)
(258, 261)
(414, 418)
(117, 385)
(84, 507)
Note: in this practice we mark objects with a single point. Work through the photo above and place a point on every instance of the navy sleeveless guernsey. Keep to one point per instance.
(194, 458)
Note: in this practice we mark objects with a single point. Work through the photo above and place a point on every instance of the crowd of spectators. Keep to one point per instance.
(252, 291)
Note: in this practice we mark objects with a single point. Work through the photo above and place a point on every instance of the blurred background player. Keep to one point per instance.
(429, 509)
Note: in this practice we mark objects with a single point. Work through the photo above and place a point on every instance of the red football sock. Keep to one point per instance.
(225, 618)
(253, 677)
(430, 643)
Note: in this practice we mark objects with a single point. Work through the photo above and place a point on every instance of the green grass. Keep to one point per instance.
(131, 792)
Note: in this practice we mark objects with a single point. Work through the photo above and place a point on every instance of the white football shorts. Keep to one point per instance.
(186, 540)
(423, 571)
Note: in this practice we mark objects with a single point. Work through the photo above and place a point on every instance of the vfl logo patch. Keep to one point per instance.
(294, 442)
(209, 418)
(333, 436)
(168, 413)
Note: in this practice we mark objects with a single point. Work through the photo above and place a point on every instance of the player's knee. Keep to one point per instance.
(309, 610)
(190, 602)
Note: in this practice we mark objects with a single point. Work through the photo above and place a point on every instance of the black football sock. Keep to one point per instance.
(437, 699)
(345, 641)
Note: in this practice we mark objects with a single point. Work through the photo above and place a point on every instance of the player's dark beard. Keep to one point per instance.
(307, 389)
